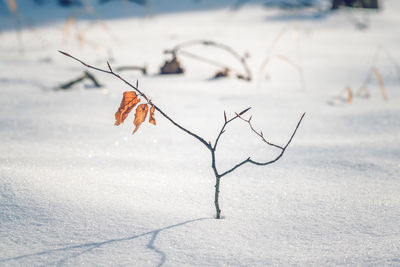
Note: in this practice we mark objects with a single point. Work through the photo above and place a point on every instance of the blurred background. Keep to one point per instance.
(76, 189)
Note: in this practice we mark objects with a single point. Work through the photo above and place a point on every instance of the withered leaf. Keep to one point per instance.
(152, 120)
(140, 116)
(129, 101)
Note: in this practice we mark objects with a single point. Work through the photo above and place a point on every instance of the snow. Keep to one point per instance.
(76, 190)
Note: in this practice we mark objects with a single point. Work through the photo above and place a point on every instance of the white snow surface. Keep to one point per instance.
(77, 190)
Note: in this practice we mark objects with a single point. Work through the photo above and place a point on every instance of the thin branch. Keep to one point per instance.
(241, 59)
(284, 148)
(86, 65)
(260, 134)
(219, 135)
(225, 124)
(235, 167)
(137, 90)
(183, 129)
(249, 160)
(109, 67)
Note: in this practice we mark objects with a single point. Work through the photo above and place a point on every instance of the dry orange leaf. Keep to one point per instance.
(129, 101)
(152, 120)
(140, 116)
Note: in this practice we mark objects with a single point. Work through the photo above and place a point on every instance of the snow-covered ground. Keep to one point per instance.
(77, 190)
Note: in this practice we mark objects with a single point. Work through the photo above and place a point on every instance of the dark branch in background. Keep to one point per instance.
(143, 69)
(208, 145)
(84, 76)
(355, 4)
(242, 59)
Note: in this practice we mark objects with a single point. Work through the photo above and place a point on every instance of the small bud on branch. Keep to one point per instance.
(244, 111)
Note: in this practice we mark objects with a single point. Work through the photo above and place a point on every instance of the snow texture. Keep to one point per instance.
(77, 190)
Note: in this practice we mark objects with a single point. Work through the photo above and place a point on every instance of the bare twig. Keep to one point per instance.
(283, 149)
(260, 134)
(208, 145)
(242, 59)
(213, 149)
(85, 75)
(93, 79)
(143, 69)
(111, 72)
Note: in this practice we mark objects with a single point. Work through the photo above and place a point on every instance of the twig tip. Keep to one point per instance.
(244, 111)
(62, 52)
(109, 67)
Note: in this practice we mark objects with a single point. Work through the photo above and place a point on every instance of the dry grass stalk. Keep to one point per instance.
(298, 68)
(12, 6)
(346, 95)
(349, 95)
(374, 71)
(81, 34)
(380, 82)
(270, 50)
(67, 27)
(270, 55)
(363, 91)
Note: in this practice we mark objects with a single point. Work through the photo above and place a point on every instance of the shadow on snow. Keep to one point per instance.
(88, 247)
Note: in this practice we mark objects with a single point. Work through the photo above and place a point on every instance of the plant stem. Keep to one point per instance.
(217, 180)
(208, 145)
